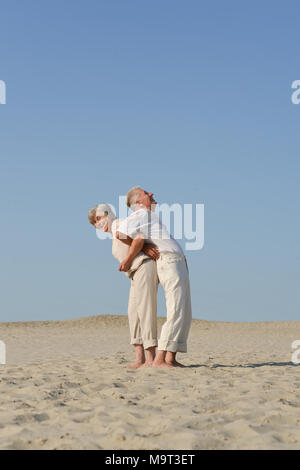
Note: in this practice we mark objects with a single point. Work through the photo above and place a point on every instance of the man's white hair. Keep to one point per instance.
(132, 195)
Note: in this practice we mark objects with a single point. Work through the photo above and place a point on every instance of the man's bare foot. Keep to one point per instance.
(162, 364)
(136, 365)
(175, 363)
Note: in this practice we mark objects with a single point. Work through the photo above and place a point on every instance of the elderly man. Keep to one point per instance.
(142, 303)
(172, 272)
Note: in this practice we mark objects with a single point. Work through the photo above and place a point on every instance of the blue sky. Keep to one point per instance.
(191, 100)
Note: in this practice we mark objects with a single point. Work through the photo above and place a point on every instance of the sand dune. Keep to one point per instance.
(65, 387)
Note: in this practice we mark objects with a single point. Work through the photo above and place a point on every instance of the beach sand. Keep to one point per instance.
(65, 387)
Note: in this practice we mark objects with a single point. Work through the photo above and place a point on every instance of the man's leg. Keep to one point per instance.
(160, 360)
(170, 359)
(171, 356)
(173, 275)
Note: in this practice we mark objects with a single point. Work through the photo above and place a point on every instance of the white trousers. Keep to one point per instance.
(173, 275)
(142, 305)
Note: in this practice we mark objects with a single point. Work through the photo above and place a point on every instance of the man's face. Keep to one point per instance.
(146, 199)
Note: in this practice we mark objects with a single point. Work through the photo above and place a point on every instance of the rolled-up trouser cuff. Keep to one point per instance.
(147, 344)
(150, 343)
(172, 346)
(136, 341)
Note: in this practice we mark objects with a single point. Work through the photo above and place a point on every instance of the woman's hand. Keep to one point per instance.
(125, 265)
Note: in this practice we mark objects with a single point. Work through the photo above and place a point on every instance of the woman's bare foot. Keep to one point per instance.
(136, 365)
(139, 357)
(148, 364)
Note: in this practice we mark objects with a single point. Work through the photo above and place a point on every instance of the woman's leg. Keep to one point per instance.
(135, 329)
(145, 292)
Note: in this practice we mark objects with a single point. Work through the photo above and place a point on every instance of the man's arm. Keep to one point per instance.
(124, 238)
(148, 248)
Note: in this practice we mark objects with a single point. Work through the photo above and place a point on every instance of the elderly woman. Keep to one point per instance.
(137, 260)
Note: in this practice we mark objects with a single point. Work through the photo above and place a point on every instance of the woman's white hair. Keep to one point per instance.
(132, 196)
(104, 209)
(92, 215)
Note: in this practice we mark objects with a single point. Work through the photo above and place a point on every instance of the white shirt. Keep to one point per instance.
(147, 224)
(120, 250)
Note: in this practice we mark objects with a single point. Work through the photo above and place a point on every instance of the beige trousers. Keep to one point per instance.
(142, 305)
(173, 275)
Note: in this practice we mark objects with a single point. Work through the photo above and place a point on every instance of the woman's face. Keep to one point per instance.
(101, 222)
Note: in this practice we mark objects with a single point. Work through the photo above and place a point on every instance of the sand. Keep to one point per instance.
(64, 386)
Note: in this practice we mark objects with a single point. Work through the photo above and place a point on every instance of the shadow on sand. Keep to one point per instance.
(263, 364)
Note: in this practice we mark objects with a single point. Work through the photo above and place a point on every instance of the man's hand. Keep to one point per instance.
(125, 265)
(150, 250)
(135, 247)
